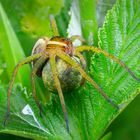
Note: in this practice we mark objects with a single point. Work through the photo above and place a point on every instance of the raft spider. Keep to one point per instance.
(46, 50)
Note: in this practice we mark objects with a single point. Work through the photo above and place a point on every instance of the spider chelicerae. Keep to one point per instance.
(50, 51)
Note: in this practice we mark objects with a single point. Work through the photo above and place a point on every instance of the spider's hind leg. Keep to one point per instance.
(112, 57)
(37, 65)
(58, 87)
(20, 64)
(68, 59)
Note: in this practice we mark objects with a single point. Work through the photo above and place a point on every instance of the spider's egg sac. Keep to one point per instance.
(69, 77)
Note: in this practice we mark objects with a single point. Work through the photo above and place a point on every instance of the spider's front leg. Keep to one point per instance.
(25, 61)
(68, 59)
(54, 25)
(112, 57)
(37, 66)
(58, 87)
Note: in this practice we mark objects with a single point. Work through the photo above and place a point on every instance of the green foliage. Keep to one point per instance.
(89, 21)
(63, 18)
(126, 125)
(10, 42)
(89, 113)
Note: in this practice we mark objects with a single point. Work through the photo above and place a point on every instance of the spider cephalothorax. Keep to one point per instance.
(63, 43)
(54, 59)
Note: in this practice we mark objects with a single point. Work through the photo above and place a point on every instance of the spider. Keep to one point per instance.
(47, 51)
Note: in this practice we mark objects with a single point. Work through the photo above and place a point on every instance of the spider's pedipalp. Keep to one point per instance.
(39, 47)
(68, 59)
(82, 59)
(36, 66)
(54, 25)
(112, 57)
(25, 61)
(58, 87)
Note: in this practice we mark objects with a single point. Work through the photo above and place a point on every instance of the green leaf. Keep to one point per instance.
(89, 113)
(102, 7)
(89, 20)
(120, 36)
(107, 136)
(11, 48)
(126, 125)
(89, 24)
(23, 120)
(63, 18)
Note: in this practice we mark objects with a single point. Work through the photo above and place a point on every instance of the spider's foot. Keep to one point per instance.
(67, 125)
(67, 122)
(7, 115)
(40, 109)
(40, 113)
(113, 104)
(123, 105)
(117, 107)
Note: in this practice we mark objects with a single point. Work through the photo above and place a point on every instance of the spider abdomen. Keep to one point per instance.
(69, 77)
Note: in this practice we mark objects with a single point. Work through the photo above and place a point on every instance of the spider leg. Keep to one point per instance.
(58, 86)
(82, 59)
(37, 65)
(25, 61)
(68, 59)
(98, 50)
(74, 37)
(54, 25)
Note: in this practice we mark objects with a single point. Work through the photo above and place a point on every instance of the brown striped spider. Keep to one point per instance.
(46, 55)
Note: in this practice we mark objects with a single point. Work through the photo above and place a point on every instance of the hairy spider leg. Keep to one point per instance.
(37, 65)
(25, 61)
(98, 51)
(68, 59)
(58, 87)
(54, 25)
